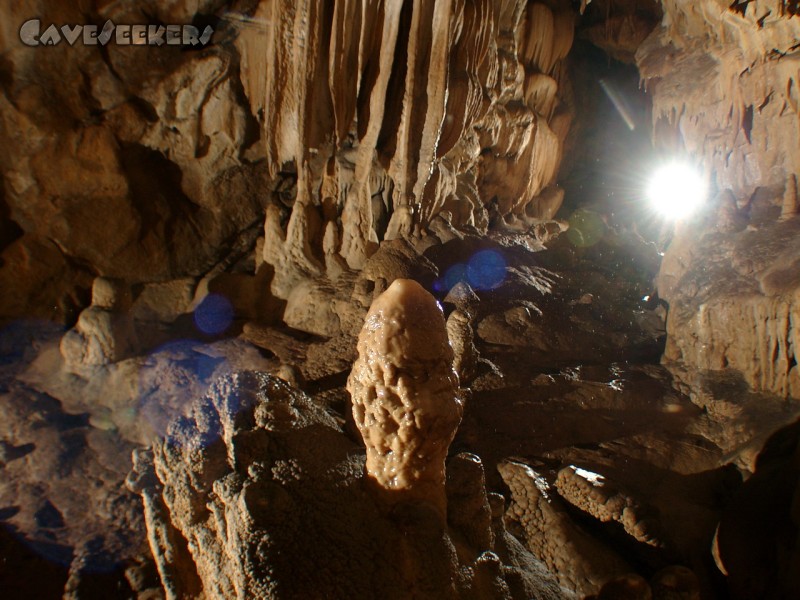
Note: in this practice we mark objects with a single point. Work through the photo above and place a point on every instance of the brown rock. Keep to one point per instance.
(627, 587)
(753, 143)
(675, 583)
(581, 563)
(758, 540)
(40, 282)
(236, 496)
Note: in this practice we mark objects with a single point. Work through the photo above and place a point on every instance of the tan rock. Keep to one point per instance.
(257, 487)
(581, 563)
(734, 106)
(105, 331)
(462, 340)
(790, 207)
(100, 337)
(626, 587)
(382, 158)
(164, 302)
(311, 307)
(405, 395)
(41, 283)
(591, 493)
(675, 583)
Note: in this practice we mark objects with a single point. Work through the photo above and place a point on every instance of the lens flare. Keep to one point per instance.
(171, 378)
(454, 275)
(586, 228)
(214, 314)
(486, 270)
(676, 191)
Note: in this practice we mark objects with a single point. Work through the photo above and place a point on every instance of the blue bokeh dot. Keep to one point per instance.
(486, 270)
(454, 275)
(214, 314)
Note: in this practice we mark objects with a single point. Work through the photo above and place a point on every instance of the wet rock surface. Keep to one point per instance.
(191, 240)
(618, 460)
(261, 493)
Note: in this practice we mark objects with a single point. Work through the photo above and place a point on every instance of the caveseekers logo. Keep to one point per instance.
(31, 34)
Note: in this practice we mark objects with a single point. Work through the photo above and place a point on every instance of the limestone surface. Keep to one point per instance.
(258, 493)
(405, 394)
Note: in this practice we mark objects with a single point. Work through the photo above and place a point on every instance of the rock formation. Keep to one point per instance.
(757, 544)
(582, 563)
(405, 395)
(419, 111)
(364, 301)
(724, 76)
(729, 92)
(259, 494)
(104, 332)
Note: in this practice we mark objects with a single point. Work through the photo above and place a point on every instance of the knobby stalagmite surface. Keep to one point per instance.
(583, 564)
(257, 493)
(405, 395)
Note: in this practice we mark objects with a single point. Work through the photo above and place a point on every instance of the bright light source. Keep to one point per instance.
(676, 190)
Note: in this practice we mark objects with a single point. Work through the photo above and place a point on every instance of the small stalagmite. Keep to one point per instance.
(790, 207)
(405, 396)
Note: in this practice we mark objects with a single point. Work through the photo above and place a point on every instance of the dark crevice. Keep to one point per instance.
(740, 6)
(6, 75)
(766, 101)
(791, 7)
(221, 34)
(396, 89)
(747, 122)
(26, 572)
(9, 452)
(8, 512)
(286, 187)
(381, 210)
(144, 108)
(9, 229)
(155, 184)
(49, 517)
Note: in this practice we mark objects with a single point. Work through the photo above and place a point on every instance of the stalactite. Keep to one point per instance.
(356, 87)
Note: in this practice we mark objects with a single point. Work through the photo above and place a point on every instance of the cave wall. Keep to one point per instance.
(297, 150)
(390, 115)
(726, 76)
(123, 161)
(724, 81)
(327, 126)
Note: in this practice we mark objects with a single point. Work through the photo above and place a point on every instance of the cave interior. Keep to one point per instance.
(481, 299)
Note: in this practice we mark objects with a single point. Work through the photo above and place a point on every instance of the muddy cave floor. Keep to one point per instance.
(568, 374)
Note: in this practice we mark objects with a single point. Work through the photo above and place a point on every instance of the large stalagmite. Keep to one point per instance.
(405, 395)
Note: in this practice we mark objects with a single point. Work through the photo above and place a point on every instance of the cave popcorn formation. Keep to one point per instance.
(405, 395)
